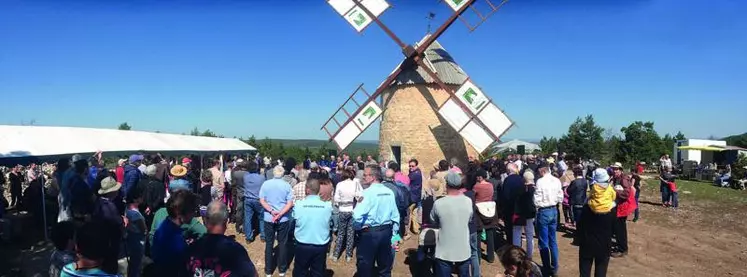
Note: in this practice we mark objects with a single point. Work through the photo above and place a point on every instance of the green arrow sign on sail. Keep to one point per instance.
(359, 19)
(469, 94)
(370, 112)
(472, 97)
(456, 4)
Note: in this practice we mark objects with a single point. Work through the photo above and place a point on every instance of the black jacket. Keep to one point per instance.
(525, 208)
(154, 191)
(577, 191)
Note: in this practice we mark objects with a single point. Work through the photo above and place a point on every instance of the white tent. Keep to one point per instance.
(39, 141)
(514, 144)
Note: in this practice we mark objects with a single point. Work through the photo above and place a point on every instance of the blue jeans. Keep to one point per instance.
(135, 252)
(281, 232)
(443, 268)
(547, 226)
(253, 208)
(529, 230)
(474, 263)
(310, 260)
(675, 200)
(664, 194)
(375, 247)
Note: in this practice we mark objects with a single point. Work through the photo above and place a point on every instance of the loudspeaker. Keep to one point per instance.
(521, 149)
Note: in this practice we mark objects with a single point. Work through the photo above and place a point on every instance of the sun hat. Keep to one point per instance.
(453, 180)
(617, 165)
(601, 176)
(136, 158)
(554, 153)
(109, 185)
(178, 171)
(150, 170)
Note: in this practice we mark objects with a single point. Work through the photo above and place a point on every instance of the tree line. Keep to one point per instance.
(638, 141)
(277, 149)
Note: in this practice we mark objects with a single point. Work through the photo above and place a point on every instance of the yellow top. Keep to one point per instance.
(601, 199)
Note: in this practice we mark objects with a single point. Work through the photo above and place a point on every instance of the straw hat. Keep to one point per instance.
(109, 185)
(178, 171)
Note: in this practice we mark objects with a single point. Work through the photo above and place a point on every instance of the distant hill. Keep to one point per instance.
(357, 146)
(737, 140)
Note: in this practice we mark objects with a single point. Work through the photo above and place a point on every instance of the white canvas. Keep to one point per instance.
(346, 136)
(476, 136)
(453, 114)
(495, 120)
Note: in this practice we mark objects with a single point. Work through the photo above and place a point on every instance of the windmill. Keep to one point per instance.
(431, 109)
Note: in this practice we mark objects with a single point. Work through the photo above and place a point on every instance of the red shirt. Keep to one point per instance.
(483, 192)
(120, 174)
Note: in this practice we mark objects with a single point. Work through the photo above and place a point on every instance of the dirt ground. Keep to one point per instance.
(688, 242)
(704, 237)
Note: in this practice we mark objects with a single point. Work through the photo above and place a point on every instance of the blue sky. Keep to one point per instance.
(280, 68)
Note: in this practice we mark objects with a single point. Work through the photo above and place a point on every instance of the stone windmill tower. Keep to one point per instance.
(431, 109)
(410, 125)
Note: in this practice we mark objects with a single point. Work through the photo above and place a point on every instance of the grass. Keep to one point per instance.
(701, 191)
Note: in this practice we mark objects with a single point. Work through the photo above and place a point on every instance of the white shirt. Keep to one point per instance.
(345, 192)
(548, 192)
(227, 175)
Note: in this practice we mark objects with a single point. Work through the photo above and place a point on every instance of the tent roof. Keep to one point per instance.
(512, 144)
(35, 141)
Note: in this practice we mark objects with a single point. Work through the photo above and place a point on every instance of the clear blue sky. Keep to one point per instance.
(280, 68)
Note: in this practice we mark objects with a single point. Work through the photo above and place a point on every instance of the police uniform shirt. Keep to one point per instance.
(378, 207)
(312, 220)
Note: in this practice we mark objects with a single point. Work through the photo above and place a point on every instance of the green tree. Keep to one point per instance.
(583, 140)
(208, 133)
(642, 143)
(124, 126)
(194, 132)
(252, 141)
(548, 145)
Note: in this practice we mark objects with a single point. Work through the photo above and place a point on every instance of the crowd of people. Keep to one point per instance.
(154, 216)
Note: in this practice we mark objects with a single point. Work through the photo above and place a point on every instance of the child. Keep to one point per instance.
(673, 199)
(516, 263)
(207, 192)
(64, 253)
(93, 242)
(567, 212)
(601, 194)
(135, 240)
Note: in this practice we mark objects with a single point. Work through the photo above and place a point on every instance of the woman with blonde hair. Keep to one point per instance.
(524, 213)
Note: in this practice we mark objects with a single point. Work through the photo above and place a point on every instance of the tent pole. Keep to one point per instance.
(44, 202)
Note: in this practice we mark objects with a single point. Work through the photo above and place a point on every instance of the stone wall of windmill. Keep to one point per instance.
(410, 121)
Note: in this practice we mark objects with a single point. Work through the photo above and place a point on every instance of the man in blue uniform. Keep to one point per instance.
(312, 232)
(377, 219)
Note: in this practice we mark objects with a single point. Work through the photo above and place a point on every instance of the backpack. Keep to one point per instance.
(402, 196)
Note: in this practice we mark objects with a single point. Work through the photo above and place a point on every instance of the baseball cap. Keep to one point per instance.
(453, 179)
(136, 158)
(186, 160)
